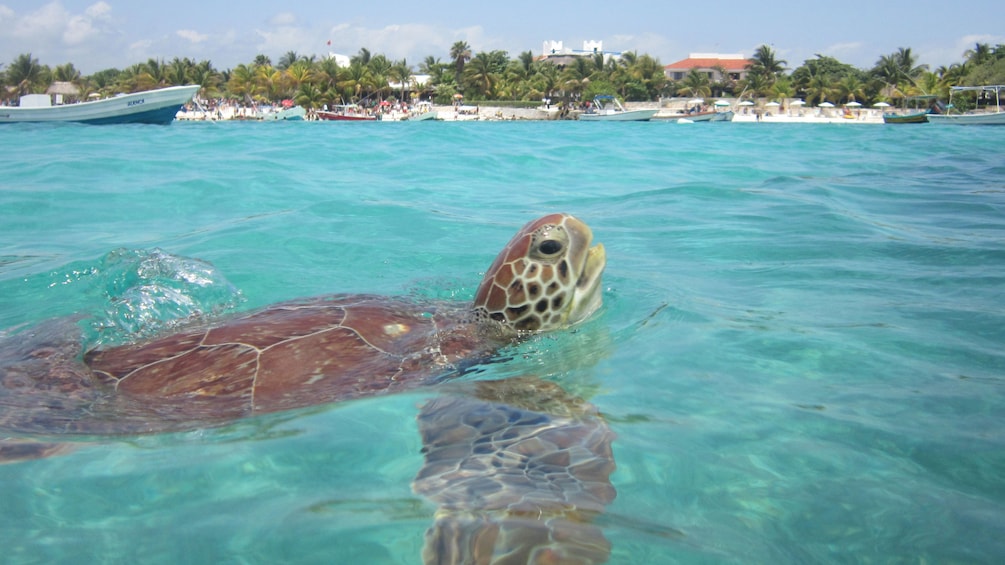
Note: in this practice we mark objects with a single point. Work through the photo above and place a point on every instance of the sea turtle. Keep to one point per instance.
(515, 466)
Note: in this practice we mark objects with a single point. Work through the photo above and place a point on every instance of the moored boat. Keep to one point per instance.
(292, 113)
(607, 108)
(915, 110)
(148, 107)
(346, 113)
(422, 112)
(987, 118)
(712, 116)
(915, 118)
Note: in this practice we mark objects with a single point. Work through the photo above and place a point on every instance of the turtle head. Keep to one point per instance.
(547, 277)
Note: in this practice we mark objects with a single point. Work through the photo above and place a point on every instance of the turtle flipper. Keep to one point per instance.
(519, 468)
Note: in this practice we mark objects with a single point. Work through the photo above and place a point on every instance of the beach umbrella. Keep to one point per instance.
(881, 105)
(746, 103)
(796, 103)
(721, 103)
(853, 104)
(696, 101)
(772, 104)
(826, 105)
(458, 96)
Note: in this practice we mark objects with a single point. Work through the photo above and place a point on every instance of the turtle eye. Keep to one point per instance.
(550, 247)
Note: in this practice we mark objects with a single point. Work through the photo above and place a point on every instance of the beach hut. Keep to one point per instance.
(59, 89)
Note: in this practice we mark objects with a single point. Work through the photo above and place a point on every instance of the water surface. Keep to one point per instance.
(801, 348)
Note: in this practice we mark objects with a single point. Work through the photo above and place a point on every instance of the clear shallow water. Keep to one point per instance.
(800, 349)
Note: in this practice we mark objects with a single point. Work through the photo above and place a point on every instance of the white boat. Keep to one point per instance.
(293, 113)
(606, 108)
(996, 118)
(422, 112)
(148, 107)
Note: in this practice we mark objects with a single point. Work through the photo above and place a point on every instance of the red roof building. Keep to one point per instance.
(709, 63)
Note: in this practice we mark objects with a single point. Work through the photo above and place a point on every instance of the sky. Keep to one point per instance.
(100, 34)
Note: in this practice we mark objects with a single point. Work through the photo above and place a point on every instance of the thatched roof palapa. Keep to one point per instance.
(64, 88)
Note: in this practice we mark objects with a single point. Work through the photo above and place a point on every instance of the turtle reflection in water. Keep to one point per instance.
(517, 467)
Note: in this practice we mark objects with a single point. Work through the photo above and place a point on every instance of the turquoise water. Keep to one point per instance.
(801, 348)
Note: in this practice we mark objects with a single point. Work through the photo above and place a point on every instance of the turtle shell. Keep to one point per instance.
(290, 355)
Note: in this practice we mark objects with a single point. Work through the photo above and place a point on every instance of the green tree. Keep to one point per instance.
(287, 60)
(460, 53)
(26, 75)
(696, 84)
(484, 73)
(766, 65)
(66, 73)
(401, 73)
(242, 81)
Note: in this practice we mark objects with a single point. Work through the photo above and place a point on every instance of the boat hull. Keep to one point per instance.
(919, 118)
(424, 117)
(148, 107)
(617, 116)
(295, 113)
(990, 119)
(339, 117)
(699, 117)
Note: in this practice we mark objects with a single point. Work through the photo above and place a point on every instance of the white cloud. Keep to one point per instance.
(98, 11)
(52, 22)
(283, 19)
(192, 35)
(45, 23)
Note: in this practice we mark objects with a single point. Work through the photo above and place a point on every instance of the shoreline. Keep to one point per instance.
(451, 113)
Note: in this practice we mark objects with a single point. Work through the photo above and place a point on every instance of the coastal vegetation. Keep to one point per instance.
(313, 81)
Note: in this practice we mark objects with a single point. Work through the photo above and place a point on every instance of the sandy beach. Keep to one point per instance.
(462, 113)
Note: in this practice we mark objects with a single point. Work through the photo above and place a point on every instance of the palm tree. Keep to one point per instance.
(26, 75)
(460, 53)
(898, 70)
(850, 88)
(355, 81)
(818, 89)
(648, 73)
(481, 74)
(695, 84)
(576, 75)
(430, 65)
(297, 74)
(309, 96)
(401, 73)
(242, 81)
(981, 53)
(765, 64)
(287, 60)
(206, 76)
(178, 70)
(363, 57)
(66, 73)
(262, 61)
(526, 59)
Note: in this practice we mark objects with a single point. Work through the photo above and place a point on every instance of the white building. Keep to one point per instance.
(557, 53)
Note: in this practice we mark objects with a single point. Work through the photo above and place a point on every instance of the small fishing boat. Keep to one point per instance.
(712, 116)
(284, 112)
(607, 108)
(148, 107)
(915, 110)
(915, 118)
(346, 113)
(422, 112)
(987, 118)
